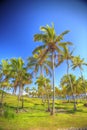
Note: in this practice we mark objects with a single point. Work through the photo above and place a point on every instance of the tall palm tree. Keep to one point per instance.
(80, 83)
(4, 85)
(67, 55)
(77, 62)
(45, 88)
(25, 79)
(39, 66)
(52, 44)
(57, 92)
(4, 76)
(27, 90)
(19, 76)
(65, 82)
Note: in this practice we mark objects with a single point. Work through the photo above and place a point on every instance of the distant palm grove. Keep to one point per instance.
(16, 75)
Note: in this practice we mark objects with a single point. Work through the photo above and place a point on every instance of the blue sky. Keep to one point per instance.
(20, 20)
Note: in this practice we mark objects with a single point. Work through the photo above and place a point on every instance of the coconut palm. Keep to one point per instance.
(45, 88)
(35, 64)
(67, 55)
(19, 75)
(82, 86)
(52, 45)
(27, 90)
(77, 62)
(25, 79)
(65, 82)
(4, 85)
(48, 94)
(57, 92)
(4, 76)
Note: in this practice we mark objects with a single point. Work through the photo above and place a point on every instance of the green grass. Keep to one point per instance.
(36, 118)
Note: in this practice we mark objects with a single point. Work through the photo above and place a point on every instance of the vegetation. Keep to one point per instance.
(35, 117)
(35, 109)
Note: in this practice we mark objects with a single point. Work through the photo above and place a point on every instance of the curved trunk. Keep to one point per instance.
(71, 85)
(53, 86)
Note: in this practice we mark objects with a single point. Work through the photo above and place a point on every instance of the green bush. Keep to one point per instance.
(8, 113)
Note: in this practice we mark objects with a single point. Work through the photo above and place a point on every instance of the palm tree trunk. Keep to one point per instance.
(48, 104)
(2, 94)
(19, 95)
(41, 70)
(71, 85)
(53, 86)
(83, 84)
(22, 99)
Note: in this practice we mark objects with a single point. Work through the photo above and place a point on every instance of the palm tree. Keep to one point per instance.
(65, 82)
(57, 92)
(48, 94)
(4, 85)
(77, 62)
(25, 79)
(67, 55)
(4, 76)
(36, 65)
(53, 45)
(27, 90)
(45, 88)
(19, 76)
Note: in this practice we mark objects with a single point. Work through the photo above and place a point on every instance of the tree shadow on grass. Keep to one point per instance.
(1, 128)
(38, 116)
(68, 111)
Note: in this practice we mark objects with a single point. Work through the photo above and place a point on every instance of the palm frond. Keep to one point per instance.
(49, 31)
(48, 71)
(65, 32)
(65, 43)
(38, 48)
(40, 37)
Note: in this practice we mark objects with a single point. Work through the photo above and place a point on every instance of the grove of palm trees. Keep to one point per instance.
(44, 106)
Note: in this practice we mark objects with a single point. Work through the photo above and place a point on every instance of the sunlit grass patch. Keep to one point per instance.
(34, 115)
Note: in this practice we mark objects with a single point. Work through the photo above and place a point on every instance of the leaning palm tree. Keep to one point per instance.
(52, 45)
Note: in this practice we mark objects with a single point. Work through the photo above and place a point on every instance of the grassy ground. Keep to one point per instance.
(35, 117)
